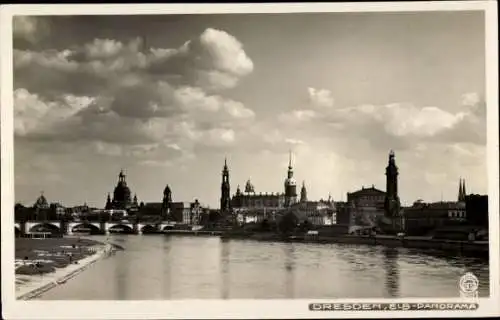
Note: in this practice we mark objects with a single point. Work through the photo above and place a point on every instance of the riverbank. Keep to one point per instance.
(479, 249)
(42, 264)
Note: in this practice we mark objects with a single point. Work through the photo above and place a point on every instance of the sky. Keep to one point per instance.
(166, 98)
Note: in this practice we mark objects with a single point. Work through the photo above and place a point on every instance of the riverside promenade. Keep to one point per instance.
(51, 262)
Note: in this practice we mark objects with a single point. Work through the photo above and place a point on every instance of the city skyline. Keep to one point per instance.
(340, 93)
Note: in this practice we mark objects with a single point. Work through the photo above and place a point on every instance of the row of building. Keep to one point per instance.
(364, 208)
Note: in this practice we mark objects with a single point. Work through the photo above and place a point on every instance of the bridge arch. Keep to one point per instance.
(45, 227)
(149, 229)
(120, 228)
(167, 227)
(85, 227)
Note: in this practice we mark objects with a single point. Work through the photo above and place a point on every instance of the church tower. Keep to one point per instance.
(303, 192)
(461, 190)
(391, 204)
(167, 201)
(225, 199)
(108, 202)
(290, 185)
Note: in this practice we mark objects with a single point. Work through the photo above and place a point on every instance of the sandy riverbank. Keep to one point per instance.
(52, 262)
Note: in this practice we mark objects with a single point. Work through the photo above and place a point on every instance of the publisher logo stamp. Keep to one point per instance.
(469, 286)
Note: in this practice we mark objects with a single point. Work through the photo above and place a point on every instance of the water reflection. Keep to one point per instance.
(167, 270)
(289, 251)
(121, 273)
(160, 267)
(390, 256)
(224, 270)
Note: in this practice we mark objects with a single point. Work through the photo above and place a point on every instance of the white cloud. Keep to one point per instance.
(103, 49)
(226, 52)
(470, 99)
(219, 136)
(294, 141)
(321, 97)
(297, 116)
(29, 28)
(147, 98)
(32, 115)
(402, 120)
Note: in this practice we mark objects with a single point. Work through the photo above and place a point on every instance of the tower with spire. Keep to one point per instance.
(109, 205)
(225, 199)
(290, 185)
(461, 190)
(167, 201)
(303, 192)
(391, 203)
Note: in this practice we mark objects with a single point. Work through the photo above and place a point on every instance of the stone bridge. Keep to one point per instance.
(72, 227)
(77, 226)
(45, 226)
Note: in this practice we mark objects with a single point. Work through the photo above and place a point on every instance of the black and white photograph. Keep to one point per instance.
(219, 155)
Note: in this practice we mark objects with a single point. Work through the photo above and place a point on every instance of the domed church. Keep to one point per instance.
(121, 196)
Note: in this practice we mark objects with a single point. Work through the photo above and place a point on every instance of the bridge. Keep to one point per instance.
(92, 227)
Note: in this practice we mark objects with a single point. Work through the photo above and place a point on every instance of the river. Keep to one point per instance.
(157, 267)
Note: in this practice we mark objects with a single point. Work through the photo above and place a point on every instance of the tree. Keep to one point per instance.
(265, 226)
(288, 223)
(305, 226)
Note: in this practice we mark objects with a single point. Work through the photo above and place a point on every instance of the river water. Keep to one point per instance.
(183, 267)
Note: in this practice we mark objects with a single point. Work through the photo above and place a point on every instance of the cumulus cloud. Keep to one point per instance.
(320, 97)
(470, 99)
(33, 115)
(115, 93)
(292, 141)
(398, 124)
(297, 116)
(29, 28)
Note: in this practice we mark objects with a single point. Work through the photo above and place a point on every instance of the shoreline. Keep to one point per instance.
(31, 286)
(472, 249)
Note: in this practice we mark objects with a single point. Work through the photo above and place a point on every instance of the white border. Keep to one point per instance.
(13, 309)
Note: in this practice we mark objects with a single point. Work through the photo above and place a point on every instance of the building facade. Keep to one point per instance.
(422, 218)
(476, 207)
(367, 205)
(318, 213)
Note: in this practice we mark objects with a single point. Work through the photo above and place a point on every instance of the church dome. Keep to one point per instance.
(122, 191)
(249, 187)
(41, 202)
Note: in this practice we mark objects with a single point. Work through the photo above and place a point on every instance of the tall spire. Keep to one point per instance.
(461, 190)
(391, 202)
(303, 192)
(290, 168)
(464, 192)
(290, 185)
(225, 200)
(460, 194)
